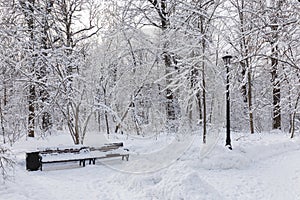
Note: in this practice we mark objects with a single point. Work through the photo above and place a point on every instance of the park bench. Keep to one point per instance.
(36, 159)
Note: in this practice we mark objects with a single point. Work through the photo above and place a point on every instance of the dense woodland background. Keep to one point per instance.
(147, 66)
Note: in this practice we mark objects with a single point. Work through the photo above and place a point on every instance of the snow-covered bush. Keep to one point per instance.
(6, 162)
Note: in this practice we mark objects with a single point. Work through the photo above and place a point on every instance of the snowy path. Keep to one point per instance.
(277, 178)
(264, 170)
(282, 174)
(91, 182)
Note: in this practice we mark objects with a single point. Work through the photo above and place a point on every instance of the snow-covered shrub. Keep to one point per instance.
(6, 162)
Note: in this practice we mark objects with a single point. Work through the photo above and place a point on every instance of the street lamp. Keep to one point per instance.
(226, 60)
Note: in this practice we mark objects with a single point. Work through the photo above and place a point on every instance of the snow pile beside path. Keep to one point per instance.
(223, 158)
(268, 147)
(246, 151)
(191, 186)
(176, 182)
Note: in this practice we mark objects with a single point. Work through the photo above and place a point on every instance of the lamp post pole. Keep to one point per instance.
(226, 60)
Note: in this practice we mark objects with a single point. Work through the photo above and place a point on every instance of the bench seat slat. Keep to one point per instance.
(84, 158)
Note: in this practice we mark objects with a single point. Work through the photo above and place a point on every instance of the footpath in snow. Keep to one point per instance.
(261, 166)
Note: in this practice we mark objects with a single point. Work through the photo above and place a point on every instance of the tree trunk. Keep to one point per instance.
(194, 77)
(293, 117)
(170, 108)
(276, 123)
(276, 88)
(171, 101)
(199, 104)
(2, 122)
(2, 107)
(32, 93)
(244, 83)
(248, 93)
(31, 108)
(105, 112)
(204, 102)
(44, 95)
(250, 109)
(245, 64)
(28, 10)
(203, 84)
(170, 96)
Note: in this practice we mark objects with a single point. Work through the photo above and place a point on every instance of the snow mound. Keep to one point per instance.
(222, 158)
(193, 187)
(173, 183)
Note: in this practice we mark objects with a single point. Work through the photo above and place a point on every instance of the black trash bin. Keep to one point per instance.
(33, 161)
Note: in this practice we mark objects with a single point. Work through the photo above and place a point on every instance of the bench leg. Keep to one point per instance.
(82, 162)
(92, 160)
(40, 162)
(126, 156)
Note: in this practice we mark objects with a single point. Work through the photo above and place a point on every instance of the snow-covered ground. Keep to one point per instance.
(260, 167)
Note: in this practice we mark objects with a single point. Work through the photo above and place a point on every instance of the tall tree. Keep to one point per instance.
(246, 43)
(274, 25)
(280, 18)
(72, 31)
(164, 10)
(11, 50)
(28, 8)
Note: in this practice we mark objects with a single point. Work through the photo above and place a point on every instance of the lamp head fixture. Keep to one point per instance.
(227, 59)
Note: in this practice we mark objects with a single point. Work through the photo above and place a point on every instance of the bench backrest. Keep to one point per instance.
(62, 150)
(104, 148)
